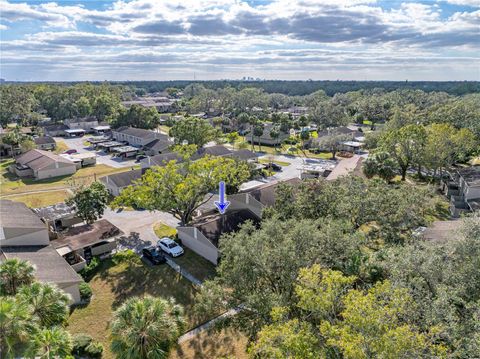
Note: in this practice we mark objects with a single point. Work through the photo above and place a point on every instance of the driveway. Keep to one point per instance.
(138, 226)
(102, 157)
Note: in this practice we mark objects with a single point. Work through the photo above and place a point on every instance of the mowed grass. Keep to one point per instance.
(113, 284)
(196, 265)
(163, 230)
(280, 163)
(11, 184)
(42, 199)
(213, 345)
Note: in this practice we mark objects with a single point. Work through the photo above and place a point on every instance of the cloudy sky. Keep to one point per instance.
(218, 39)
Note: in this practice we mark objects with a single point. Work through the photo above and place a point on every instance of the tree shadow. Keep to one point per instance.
(133, 242)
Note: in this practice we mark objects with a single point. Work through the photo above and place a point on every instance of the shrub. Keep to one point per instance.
(85, 291)
(126, 256)
(89, 271)
(84, 346)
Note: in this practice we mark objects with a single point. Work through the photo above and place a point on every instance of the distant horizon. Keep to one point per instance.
(137, 40)
(232, 80)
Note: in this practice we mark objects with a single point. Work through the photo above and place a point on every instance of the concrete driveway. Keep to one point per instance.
(138, 226)
(102, 157)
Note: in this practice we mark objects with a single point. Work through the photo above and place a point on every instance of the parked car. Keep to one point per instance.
(70, 151)
(140, 157)
(273, 166)
(153, 255)
(170, 247)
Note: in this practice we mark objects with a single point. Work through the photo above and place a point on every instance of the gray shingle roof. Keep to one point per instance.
(139, 132)
(50, 266)
(44, 140)
(158, 144)
(38, 159)
(18, 215)
(123, 179)
(164, 158)
(266, 194)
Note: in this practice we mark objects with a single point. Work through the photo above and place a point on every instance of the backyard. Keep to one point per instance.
(113, 284)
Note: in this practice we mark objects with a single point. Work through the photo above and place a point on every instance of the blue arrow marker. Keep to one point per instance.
(222, 204)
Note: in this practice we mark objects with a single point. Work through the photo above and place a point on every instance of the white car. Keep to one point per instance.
(170, 247)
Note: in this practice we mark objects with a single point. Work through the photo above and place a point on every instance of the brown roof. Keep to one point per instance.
(50, 266)
(38, 159)
(265, 194)
(87, 235)
(214, 226)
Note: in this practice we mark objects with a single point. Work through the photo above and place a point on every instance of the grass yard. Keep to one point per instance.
(196, 265)
(42, 199)
(61, 146)
(113, 284)
(162, 230)
(213, 345)
(280, 163)
(10, 184)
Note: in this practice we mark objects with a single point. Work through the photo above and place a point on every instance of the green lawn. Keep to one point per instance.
(162, 230)
(196, 265)
(42, 199)
(280, 163)
(61, 146)
(10, 184)
(113, 284)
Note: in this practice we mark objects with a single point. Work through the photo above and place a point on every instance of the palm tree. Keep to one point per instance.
(50, 343)
(13, 274)
(49, 303)
(258, 132)
(146, 328)
(16, 325)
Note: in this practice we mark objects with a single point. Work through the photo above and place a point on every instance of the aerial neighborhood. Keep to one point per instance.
(239, 179)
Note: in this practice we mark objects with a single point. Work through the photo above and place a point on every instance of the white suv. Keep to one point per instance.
(170, 247)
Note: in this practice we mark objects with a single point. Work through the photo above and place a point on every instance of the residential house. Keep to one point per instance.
(58, 217)
(152, 142)
(161, 159)
(202, 236)
(462, 187)
(45, 143)
(55, 130)
(265, 138)
(84, 123)
(351, 135)
(42, 164)
(79, 244)
(24, 236)
(117, 182)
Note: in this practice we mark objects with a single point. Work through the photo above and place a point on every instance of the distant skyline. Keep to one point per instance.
(435, 40)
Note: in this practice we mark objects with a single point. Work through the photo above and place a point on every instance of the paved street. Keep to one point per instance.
(102, 157)
(138, 226)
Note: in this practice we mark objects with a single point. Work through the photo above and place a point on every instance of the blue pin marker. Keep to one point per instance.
(222, 204)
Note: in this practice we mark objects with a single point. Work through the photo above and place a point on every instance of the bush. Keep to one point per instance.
(89, 271)
(126, 256)
(85, 291)
(84, 346)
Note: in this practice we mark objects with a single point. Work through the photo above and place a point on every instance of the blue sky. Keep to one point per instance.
(217, 39)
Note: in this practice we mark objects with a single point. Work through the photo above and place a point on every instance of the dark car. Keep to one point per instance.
(273, 166)
(70, 151)
(153, 255)
(140, 157)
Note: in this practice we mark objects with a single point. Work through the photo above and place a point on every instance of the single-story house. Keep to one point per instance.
(157, 146)
(58, 217)
(84, 123)
(42, 164)
(117, 182)
(137, 137)
(81, 159)
(75, 132)
(214, 151)
(245, 155)
(50, 267)
(161, 159)
(20, 226)
(125, 152)
(45, 143)
(265, 138)
(55, 130)
(100, 129)
(80, 243)
(203, 235)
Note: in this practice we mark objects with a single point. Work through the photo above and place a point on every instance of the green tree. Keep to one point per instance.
(180, 189)
(194, 131)
(232, 137)
(48, 303)
(16, 326)
(90, 202)
(139, 117)
(332, 142)
(275, 134)
(146, 328)
(406, 145)
(27, 144)
(50, 343)
(380, 164)
(15, 273)
(257, 132)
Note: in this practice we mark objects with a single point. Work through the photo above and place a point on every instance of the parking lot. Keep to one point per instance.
(77, 143)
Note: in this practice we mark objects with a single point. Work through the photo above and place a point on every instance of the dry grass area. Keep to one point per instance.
(42, 199)
(113, 284)
(61, 146)
(213, 345)
(163, 230)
